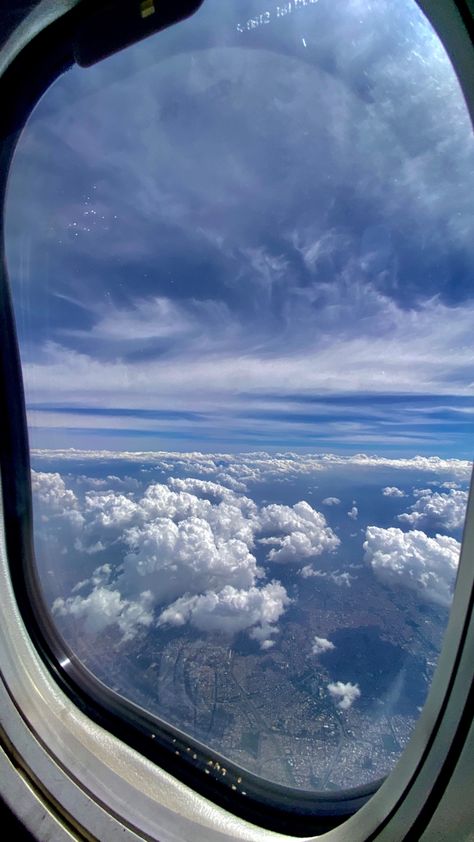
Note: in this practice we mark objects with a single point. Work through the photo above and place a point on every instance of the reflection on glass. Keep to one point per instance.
(240, 255)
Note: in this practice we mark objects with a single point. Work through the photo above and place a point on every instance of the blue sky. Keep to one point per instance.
(251, 238)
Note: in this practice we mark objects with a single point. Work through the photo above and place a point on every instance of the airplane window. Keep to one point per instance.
(240, 260)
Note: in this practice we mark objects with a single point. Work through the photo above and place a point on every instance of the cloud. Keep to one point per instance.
(414, 560)
(321, 644)
(104, 607)
(393, 491)
(52, 496)
(171, 558)
(186, 550)
(260, 466)
(445, 509)
(207, 488)
(101, 576)
(211, 378)
(353, 513)
(331, 501)
(304, 532)
(110, 510)
(345, 578)
(344, 694)
(231, 610)
(308, 572)
(193, 536)
(155, 318)
(58, 506)
(189, 543)
(340, 579)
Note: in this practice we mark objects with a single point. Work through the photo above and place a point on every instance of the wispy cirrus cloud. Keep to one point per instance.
(218, 281)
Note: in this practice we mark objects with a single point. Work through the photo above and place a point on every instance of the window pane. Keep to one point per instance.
(240, 255)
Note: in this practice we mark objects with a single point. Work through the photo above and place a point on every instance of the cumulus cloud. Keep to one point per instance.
(50, 492)
(104, 607)
(414, 560)
(54, 501)
(172, 558)
(446, 509)
(191, 537)
(393, 491)
(202, 488)
(110, 510)
(56, 510)
(331, 501)
(353, 513)
(188, 547)
(302, 532)
(321, 644)
(344, 694)
(231, 610)
(101, 576)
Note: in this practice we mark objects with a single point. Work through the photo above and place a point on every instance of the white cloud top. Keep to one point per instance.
(51, 492)
(446, 509)
(321, 644)
(190, 543)
(331, 501)
(302, 532)
(231, 610)
(186, 550)
(344, 694)
(393, 491)
(413, 560)
(103, 607)
(261, 466)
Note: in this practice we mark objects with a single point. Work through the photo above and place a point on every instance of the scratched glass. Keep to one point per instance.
(241, 258)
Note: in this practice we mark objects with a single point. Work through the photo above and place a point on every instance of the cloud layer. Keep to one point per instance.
(198, 550)
(245, 468)
(186, 550)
